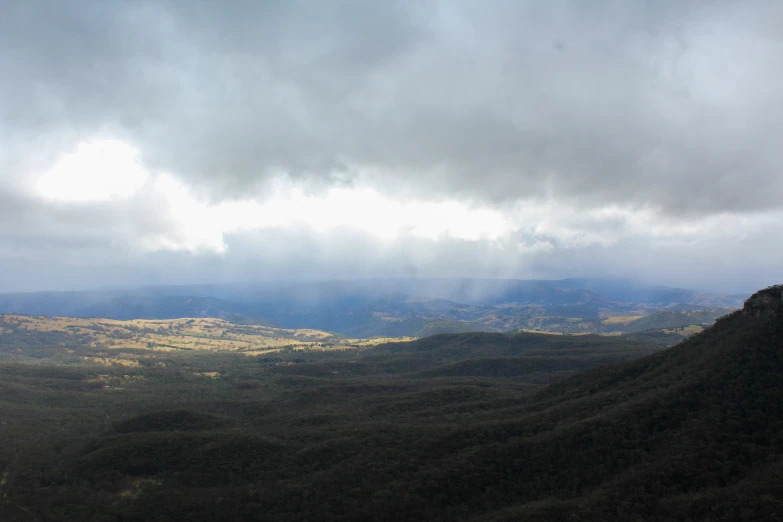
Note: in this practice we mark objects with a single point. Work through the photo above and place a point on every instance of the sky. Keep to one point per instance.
(191, 141)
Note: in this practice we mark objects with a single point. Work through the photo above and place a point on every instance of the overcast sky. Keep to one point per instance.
(189, 141)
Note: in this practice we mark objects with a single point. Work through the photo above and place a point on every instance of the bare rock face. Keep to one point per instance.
(764, 303)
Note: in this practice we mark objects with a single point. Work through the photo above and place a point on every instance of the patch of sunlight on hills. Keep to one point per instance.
(112, 339)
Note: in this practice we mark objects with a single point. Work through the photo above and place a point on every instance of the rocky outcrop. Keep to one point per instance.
(764, 303)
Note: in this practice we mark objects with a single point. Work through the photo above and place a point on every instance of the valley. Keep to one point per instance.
(401, 308)
(141, 342)
(461, 426)
(356, 261)
(108, 341)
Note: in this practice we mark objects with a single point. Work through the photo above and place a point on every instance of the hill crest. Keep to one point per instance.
(764, 303)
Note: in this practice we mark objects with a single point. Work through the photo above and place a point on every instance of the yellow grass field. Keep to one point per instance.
(197, 334)
(691, 329)
(621, 319)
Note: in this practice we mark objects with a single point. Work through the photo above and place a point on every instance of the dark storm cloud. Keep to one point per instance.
(31, 227)
(671, 104)
(611, 137)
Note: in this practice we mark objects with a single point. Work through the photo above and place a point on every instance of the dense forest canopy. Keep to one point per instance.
(485, 427)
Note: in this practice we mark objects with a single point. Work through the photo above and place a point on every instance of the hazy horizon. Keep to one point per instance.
(291, 282)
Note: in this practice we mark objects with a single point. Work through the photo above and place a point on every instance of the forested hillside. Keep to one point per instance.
(455, 427)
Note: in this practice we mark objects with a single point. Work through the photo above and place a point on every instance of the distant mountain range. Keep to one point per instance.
(387, 307)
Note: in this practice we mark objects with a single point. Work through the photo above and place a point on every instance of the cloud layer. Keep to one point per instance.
(517, 138)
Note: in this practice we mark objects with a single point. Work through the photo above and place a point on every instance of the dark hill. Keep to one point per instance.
(690, 433)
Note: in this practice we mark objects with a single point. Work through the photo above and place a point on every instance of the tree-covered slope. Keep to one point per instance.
(665, 319)
(407, 432)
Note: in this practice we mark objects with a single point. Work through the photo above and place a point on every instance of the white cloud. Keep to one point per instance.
(107, 173)
(201, 225)
(574, 137)
(97, 170)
